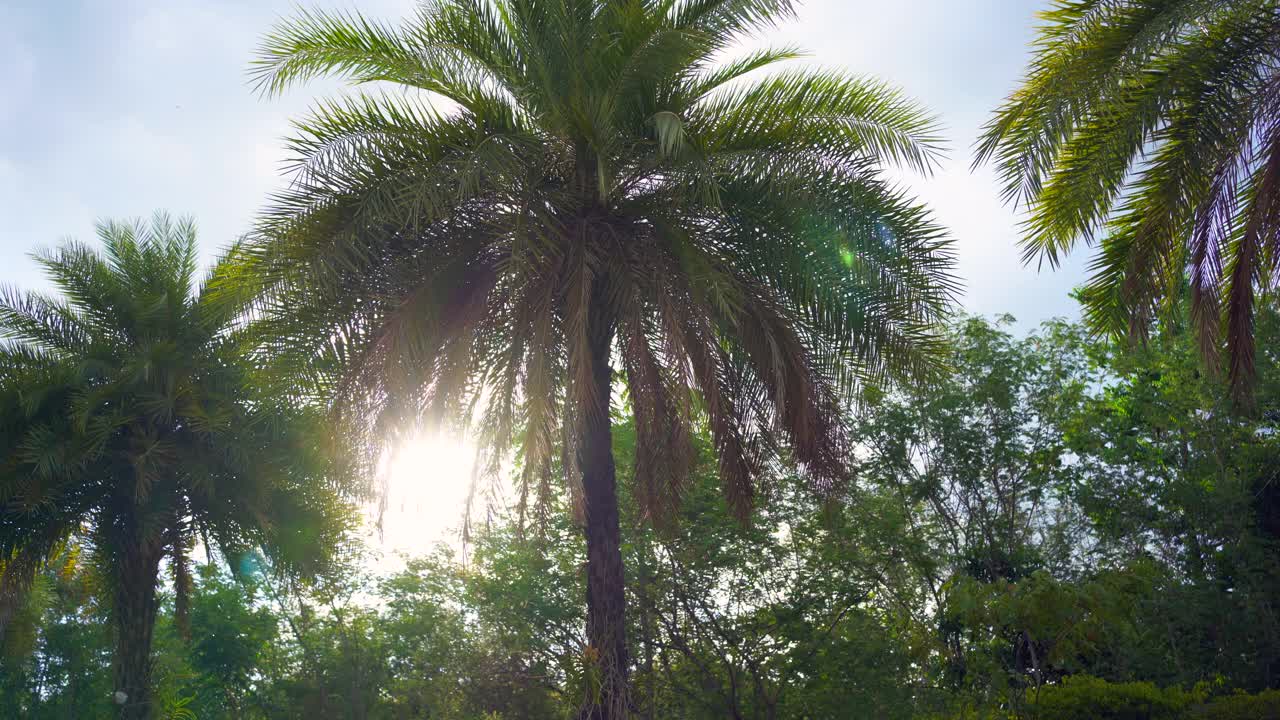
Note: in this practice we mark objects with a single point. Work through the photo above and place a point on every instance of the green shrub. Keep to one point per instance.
(1263, 706)
(1082, 697)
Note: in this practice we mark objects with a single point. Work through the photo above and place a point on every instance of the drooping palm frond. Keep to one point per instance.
(736, 232)
(1149, 127)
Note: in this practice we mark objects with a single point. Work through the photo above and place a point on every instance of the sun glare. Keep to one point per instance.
(428, 478)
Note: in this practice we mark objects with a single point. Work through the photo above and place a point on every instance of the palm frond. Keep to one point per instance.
(1138, 126)
(616, 194)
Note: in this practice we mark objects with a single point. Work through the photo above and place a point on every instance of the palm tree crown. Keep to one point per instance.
(129, 419)
(550, 186)
(595, 160)
(1153, 125)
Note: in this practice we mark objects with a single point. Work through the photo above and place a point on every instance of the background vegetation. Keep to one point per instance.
(1060, 530)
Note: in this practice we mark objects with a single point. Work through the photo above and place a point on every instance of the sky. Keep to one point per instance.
(117, 108)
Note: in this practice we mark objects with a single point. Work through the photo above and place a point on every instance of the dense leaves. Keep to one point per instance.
(1152, 127)
(1056, 530)
(131, 426)
(598, 169)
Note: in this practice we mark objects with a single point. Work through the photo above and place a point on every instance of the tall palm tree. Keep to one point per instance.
(129, 420)
(1153, 127)
(547, 188)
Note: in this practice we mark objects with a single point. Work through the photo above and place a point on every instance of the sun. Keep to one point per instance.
(428, 479)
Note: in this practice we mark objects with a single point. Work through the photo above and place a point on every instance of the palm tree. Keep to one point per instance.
(1153, 125)
(549, 189)
(128, 419)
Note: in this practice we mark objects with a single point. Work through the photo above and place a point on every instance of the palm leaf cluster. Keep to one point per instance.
(1153, 128)
(533, 183)
(129, 420)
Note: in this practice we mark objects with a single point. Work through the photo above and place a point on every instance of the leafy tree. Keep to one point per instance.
(436, 639)
(964, 488)
(56, 658)
(1169, 472)
(773, 620)
(1153, 125)
(1087, 697)
(230, 634)
(600, 187)
(129, 419)
(491, 638)
(976, 460)
(1062, 505)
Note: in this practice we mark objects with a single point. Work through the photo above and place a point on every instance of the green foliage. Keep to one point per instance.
(600, 174)
(131, 422)
(1068, 506)
(61, 669)
(1169, 473)
(1151, 126)
(1055, 530)
(230, 633)
(1084, 698)
(770, 619)
(1240, 706)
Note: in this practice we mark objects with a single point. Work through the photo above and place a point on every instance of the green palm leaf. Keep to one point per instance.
(1148, 127)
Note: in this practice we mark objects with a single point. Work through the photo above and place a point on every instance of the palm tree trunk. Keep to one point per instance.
(606, 598)
(135, 620)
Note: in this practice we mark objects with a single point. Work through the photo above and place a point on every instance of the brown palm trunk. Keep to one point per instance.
(135, 620)
(606, 599)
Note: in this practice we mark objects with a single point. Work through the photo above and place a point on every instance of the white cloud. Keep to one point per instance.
(17, 72)
(155, 112)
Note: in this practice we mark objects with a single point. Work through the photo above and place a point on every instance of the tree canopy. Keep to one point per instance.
(131, 426)
(1083, 531)
(1152, 128)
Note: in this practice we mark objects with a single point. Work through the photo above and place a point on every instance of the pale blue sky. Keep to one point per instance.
(114, 108)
